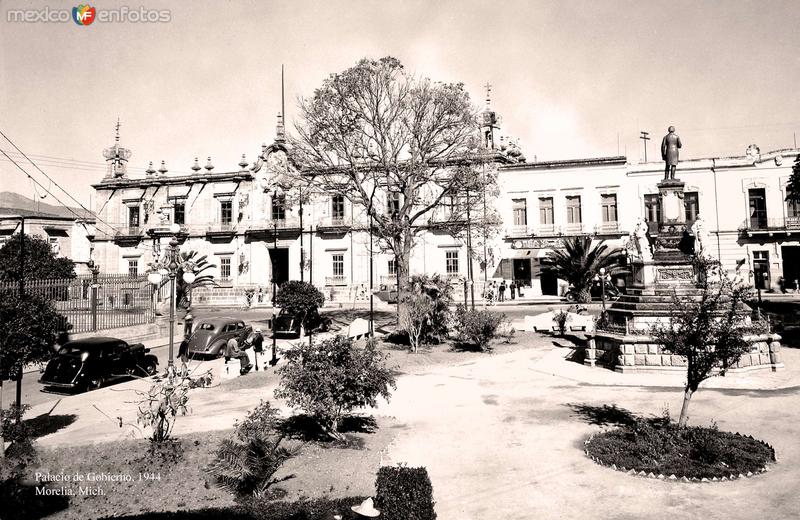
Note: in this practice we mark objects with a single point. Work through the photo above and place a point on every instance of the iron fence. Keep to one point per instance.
(94, 302)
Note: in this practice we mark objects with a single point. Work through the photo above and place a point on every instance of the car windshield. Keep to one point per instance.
(206, 326)
(71, 351)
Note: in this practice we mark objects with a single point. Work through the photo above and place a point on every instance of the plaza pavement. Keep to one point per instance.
(502, 436)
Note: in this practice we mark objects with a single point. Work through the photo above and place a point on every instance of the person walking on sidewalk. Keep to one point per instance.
(513, 287)
(501, 294)
(183, 354)
(232, 350)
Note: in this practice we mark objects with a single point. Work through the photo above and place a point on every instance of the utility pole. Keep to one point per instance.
(21, 297)
(645, 137)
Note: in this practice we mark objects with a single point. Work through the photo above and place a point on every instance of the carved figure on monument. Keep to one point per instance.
(702, 238)
(641, 241)
(669, 153)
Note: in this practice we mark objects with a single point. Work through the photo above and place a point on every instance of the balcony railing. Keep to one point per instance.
(575, 228)
(333, 222)
(771, 224)
(129, 231)
(547, 230)
(336, 280)
(388, 280)
(518, 230)
(221, 228)
(607, 227)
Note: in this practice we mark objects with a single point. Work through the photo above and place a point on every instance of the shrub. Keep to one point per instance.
(439, 291)
(299, 298)
(560, 318)
(403, 493)
(506, 331)
(332, 378)
(246, 465)
(160, 405)
(477, 327)
(415, 320)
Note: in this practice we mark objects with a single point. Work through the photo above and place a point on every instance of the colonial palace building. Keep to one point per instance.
(254, 237)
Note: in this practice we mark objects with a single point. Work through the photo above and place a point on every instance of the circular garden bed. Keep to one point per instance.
(659, 448)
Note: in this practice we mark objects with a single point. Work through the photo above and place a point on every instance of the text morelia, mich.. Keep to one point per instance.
(67, 491)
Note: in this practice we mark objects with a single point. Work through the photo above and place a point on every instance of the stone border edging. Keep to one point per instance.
(684, 478)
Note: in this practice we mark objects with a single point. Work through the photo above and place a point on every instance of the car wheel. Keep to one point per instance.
(149, 367)
(95, 383)
(571, 297)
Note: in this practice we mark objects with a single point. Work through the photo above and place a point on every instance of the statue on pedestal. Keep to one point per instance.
(640, 240)
(702, 238)
(669, 153)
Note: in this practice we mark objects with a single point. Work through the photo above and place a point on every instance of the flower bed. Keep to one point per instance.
(660, 449)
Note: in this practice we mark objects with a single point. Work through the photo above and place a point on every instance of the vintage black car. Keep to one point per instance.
(90, 363)
(287, 324)
(212, 334)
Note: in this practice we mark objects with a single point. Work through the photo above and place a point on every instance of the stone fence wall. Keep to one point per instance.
(628, 353)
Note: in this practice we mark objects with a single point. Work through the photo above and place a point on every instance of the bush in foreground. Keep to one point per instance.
(330, 379)
(246, 465)
(403, 493)
(661, 447)
(477, 328)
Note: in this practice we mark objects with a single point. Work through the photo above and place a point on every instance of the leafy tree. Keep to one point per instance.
(299, 298)
(793, 186)
(706, 330)
(579, 261)
(392, 144)
(29, 327)
(332, 378)
(40, 261)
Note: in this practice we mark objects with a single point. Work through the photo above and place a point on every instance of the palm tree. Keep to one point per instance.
(198, 265)
(579, 261)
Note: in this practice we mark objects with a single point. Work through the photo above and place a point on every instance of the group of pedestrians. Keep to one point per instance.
(232, 351)
(496, 292)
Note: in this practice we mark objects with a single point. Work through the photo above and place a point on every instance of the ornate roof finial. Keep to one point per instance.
(209, 166)
(243, 163)
(117, 157)
(163, 170)
(117, 137)
(196, 166)
(488, 87)
(150, 170)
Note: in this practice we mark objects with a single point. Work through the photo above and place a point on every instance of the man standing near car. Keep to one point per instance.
(183, 354)
(232, 350)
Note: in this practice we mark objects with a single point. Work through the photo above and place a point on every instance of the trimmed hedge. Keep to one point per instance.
(403, 493)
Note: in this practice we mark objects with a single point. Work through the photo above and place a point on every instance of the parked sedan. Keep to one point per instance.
(90, 363)
(212, 334)
(288, 324)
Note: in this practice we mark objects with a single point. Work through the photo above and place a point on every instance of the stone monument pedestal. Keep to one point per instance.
(624, 342)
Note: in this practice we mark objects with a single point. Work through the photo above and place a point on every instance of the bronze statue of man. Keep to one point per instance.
(669, 153)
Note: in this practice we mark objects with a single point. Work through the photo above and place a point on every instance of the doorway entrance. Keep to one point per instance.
(279, 259)
(522, 272)
(761, 269)
(791, 266)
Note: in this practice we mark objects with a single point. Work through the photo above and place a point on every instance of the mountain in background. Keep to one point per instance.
(15, 204)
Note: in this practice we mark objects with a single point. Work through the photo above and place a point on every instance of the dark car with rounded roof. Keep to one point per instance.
(86, 364)
(210, 335)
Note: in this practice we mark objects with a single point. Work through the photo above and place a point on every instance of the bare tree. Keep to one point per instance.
(394, 145)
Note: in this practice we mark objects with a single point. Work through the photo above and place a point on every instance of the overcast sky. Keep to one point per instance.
(570, 79)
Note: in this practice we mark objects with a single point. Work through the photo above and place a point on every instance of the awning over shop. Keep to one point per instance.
(526, 253)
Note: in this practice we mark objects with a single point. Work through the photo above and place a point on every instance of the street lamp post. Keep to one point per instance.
(603, 278)
(169, 265)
